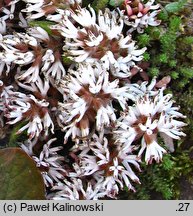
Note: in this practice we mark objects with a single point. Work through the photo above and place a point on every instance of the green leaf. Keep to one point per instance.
(115, 3)
(19, 176)
(14, 137)
(43, 24)
(172, 7)
(175, 6)
(66, 60)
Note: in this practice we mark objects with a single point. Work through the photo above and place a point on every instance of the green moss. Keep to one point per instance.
(186, 72)
(153, 32)
(143, 39)
(170, 50)
(161, 181)
(185, 99)
(153, 71)
(146, 56)
(174, 75)
(172, 63)
(163, 15)
(188, 40)
(174, 24)
(163, 58)
(168, 43)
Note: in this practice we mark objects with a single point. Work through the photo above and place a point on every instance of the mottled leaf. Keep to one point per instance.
(19, 176)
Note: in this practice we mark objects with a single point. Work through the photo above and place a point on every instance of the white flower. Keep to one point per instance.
(76, 190)
(57, 17)
(34, 6)
(32, 110)
(48, 161)
(116, 168)
(140, 15)
(88, 96)
(37, 9)
(28, 54)
(30, 74)
(41, 86)
(108, 163)
(153, 151)
(8, 14)
(2, 26)
(150, 116)
(139, 90)
(89, 38)
(5, 92)
(23, 22)
(47, 59)
(28, 146)
(112, 186)
(15, 52)
(38, 33)
(56, 70)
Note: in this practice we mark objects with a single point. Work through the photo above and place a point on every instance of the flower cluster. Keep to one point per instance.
(149, 117)
(99, 38)
(108, 162)
(36, 9)
(48, 161)
(66, 83)
(139, 14)
(89, 100)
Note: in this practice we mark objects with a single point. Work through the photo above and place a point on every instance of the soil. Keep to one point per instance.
(186, 189)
